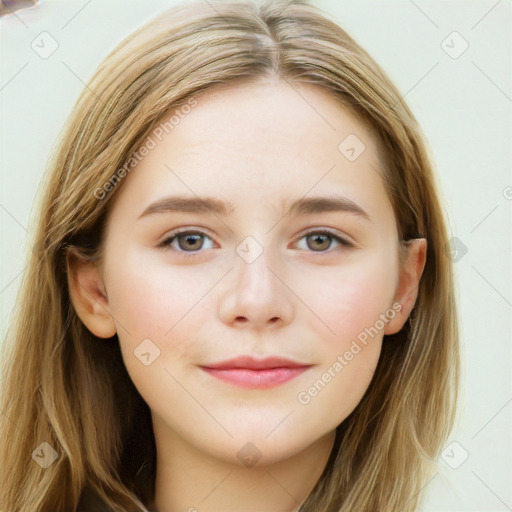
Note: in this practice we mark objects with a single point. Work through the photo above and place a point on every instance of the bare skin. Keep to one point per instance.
(201, 301)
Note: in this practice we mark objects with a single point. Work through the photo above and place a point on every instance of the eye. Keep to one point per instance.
(190, 242)
(320, 241)
(185, 241)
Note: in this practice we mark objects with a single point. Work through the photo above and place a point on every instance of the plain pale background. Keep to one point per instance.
(464, 106)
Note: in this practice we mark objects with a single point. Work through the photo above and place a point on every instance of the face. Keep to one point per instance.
(250, 275)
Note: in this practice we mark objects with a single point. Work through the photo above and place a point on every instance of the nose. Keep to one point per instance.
(256, 296)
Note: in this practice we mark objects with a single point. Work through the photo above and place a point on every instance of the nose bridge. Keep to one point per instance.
(254, 274)
(256, 295)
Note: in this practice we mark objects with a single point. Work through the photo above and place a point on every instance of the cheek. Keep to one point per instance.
(353, 308)
(149, 300)
(350, 300)
(161, 303)
(151, 305)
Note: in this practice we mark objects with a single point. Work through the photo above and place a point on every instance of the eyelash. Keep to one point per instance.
(165, 244)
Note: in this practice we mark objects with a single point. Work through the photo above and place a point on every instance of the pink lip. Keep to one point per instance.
(249, 372)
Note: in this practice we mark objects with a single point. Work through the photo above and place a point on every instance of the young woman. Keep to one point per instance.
(238, 297)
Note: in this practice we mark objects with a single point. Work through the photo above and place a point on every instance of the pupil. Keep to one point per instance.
(318, 238)
(192, 239)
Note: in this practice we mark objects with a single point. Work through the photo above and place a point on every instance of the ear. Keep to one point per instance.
(88, 296)
(408, 283)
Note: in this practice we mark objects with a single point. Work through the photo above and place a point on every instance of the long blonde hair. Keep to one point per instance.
(65, 387)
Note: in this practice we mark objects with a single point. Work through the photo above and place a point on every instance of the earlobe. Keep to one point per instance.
(88, 296)
(407, 290)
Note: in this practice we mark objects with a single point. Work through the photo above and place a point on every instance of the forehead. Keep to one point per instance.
(264, 143)
(268, 121)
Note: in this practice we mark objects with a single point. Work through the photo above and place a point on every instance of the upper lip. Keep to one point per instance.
(253, 363)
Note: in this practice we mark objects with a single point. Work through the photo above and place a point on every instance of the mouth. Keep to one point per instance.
(252, 373)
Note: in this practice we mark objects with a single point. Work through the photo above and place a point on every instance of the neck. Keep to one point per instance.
(190, 480)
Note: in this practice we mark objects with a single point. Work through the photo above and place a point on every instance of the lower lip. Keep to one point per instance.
(256, 379)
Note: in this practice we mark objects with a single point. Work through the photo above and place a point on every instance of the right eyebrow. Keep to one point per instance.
(189, 205)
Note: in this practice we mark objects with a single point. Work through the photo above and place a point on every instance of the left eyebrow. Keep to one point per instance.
(334, 203)
(302, 206)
